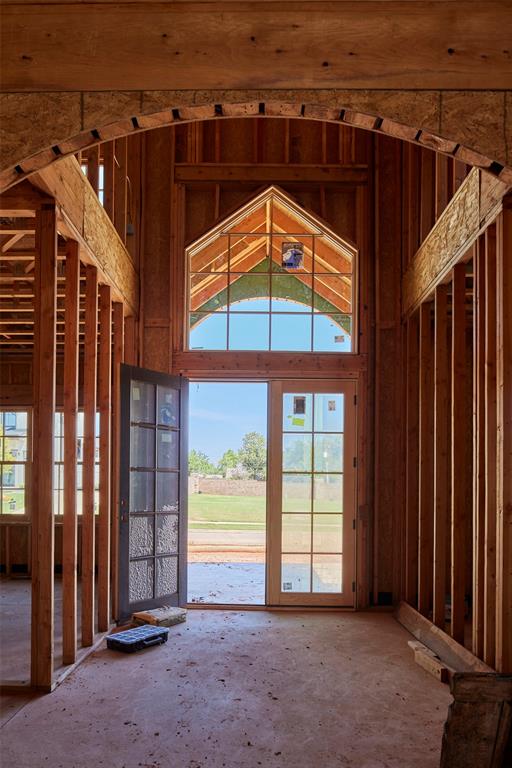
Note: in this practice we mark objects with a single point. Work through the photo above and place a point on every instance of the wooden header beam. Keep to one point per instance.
(353, 175)
(177, 45)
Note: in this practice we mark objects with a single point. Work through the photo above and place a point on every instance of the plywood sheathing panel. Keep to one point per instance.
(486, 131)
(67, 119)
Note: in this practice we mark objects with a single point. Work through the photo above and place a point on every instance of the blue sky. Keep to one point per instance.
(221, 414)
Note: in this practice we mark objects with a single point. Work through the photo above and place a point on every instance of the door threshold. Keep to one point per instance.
(280, 608)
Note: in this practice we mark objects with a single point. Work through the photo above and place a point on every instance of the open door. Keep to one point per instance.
(153, 497)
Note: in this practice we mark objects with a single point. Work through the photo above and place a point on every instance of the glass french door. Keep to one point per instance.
(153, 478)
(312, 493)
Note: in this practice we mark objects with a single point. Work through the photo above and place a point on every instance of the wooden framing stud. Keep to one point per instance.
(104, 407)
(44, 360)
(426, 456)
(69, 523)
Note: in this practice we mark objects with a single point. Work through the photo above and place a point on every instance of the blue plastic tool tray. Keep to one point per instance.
(136, 639)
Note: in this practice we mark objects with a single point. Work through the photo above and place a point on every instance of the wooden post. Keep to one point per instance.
(490, 448)
(504, 444)
(104, 407)
(118, 356)
(478, 447)
(459, 517)
(441, 454)
(69, 522)
(45, 290)
(93, 167)
(89, 451)
(120, 187)
(426, 474)
(412, 459)
(108, 178)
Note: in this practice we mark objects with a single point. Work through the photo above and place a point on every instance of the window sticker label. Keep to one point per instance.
(299, 405)
(331, 405)
(292, 255)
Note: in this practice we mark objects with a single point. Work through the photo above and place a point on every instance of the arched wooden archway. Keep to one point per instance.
(40, 128)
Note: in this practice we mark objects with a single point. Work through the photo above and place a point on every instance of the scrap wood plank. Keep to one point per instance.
(477, 730)
(430, 662)
(451, 652)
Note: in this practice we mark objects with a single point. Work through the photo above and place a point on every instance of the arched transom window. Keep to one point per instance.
(271, 277)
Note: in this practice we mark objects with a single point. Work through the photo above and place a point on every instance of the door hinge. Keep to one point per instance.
(355, 399)
(354, 462)
(353, 586)
(354, 523)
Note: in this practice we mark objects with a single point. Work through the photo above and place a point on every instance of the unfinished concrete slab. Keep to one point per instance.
(240, 690)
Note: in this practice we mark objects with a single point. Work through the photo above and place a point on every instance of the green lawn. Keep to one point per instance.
(226, 512)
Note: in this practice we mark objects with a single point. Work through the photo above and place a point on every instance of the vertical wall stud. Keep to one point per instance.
(504, 444)
(69, 522)
(412, 459)
(89, 453)
(45, 290)
(426, 454)
(104, 408)
(441, 453)
(118, 356)
(459, 516)
(478, 448)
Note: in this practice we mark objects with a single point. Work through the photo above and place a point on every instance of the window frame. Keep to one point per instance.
(19, 517)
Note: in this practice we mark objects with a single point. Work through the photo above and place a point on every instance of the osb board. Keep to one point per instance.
(89, 222)
(445, 244)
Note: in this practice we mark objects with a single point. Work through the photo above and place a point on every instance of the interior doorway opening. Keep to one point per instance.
(227, 493)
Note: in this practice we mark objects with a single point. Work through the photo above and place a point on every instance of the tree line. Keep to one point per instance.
(251, 458)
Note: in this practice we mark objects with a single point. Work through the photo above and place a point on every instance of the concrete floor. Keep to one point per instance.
(241, 690)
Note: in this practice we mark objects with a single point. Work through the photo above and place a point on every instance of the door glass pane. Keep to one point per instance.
(328, 453)
(142, 402)
(329, 413)
(327, 533)
(167, 490)
(327, 573)
(166, 534)
(296, 533)
(168, 453)
(141, 535)
(296, 573)
(168, 406)
(142, 447)
(142, 491)
(296, 493)
(166, 576)
(297, 453)
(297, 412)
(141, 580)
(328, 493)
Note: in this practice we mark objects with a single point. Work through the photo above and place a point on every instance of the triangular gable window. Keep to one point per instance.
(271, 276)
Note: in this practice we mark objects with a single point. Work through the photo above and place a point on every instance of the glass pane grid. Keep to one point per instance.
(307, 300)
(312, 535)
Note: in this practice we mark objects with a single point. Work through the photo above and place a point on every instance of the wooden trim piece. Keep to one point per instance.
(104, 408)
(89, 450)
(117, 359)
(83, 218)
(504, 444)
(426, 454)
(45, 289)
(469, 211)
(478, 446)
(441, 453)
(69, 521)
(412, 461)
(451, 652)
(459, 513)
(271, 174)
(490, 448)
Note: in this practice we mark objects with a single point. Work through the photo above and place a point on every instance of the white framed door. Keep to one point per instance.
(312, 493)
